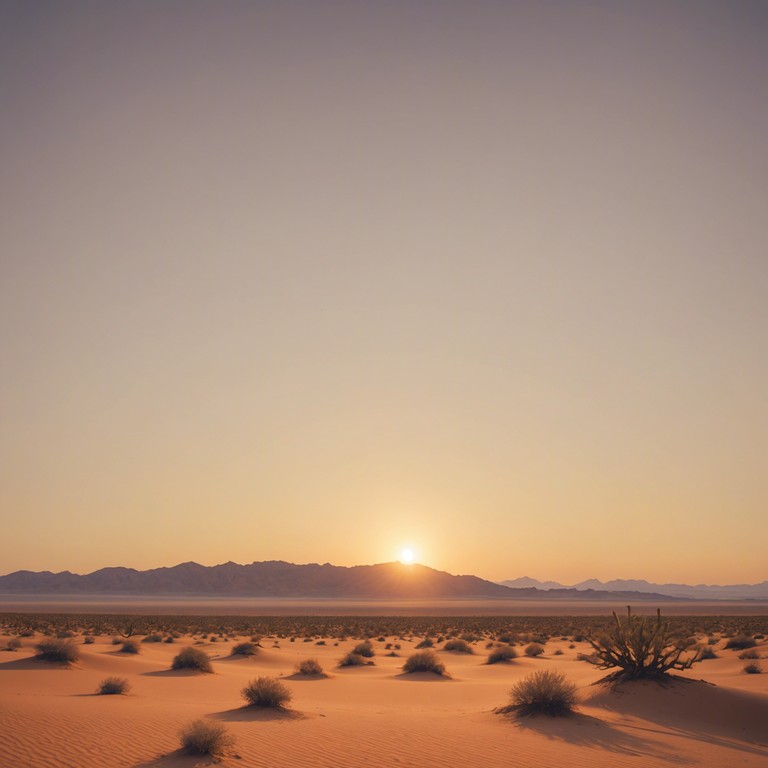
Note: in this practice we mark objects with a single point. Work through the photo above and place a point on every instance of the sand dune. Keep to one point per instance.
(372, 715)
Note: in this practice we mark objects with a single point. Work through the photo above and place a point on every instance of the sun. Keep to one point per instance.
(406, 556)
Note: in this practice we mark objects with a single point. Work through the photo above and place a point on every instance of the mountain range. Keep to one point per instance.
(281, 579)
(684, 591)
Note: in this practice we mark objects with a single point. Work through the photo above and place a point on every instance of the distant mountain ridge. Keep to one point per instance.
(277, 578)
(683, 591)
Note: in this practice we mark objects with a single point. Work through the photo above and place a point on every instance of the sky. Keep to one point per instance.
(317, 281)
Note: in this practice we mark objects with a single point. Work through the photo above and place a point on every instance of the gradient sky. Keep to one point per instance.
(316, 280)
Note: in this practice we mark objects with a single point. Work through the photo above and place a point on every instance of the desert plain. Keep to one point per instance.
(714, 715)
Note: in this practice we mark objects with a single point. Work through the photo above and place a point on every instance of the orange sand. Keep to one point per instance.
(371, 716)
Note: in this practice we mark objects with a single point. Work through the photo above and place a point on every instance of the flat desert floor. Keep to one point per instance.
(373, 715)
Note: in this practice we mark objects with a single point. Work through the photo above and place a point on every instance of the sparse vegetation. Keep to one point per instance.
(58, 650)
(245, 649)
(424, 661)
(740, 643)
(364, 649)
(750, 653)
(642, 649)
(129, 646)
(458, 646)
(205, 737)
(309, 667)
(427, 642)
(753, 668)
(192, 658)
(267, 692)
(542, 693)
(501, 654)
(114, 685)
(13, 644)
(352, 659)
(533, 649)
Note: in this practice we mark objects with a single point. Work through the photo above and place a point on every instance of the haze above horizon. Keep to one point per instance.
(483, 281)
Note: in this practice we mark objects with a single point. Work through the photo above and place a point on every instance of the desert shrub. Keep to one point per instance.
(590, 658)
(192, 658)
(64, 634)
(558, 652)
(458, 646)
(753, 668)
(427, 642)
(266, 692)
(114, 685)
(204, 737)
(27, 633)
(641, 648)
(364, 649)
(55, 649)
(740, 643)
(502, 653)
(116, 641)
(352, 659)
(707, 652)
(712, 640)
(309, 667)
(424, 661)
(129, 646)
(89, 640)
(533, 649)
(13, 644)
(170, 639)
(245, 649)
(152, 639)
(751, 653)
(320, 642)
(542, 693)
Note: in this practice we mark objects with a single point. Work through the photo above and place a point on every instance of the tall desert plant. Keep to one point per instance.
(641, 648)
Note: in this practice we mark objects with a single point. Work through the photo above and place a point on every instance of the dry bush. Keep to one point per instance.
(458, 646)
(501, 654)
(642, 649)
(424, 661)
(749, 654)
(60, 650)
(707, 652)
(245, 649)
(153, 638)
(204, 737)
(364, 649)
(13, 644)
(192, 658)
(309, 667)
(542, 693)
(427, 642)
(114, 685)
(129, 646)
(266, 692)
(753, 668)
(533, 649)
(740, 643)
(352, 659)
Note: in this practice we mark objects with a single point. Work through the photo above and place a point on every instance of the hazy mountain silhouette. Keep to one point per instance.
(682, 591)
(280, 579)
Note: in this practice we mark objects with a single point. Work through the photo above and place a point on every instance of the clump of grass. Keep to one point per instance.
(129, 646)
(309, 667)
(427, 642)
(59, 650)
(749, 654)
(352, 659)
(501, 654)
(424, 661)
(458, 646)
(542, 693)
(267, 692)
(89, 640)
(192, 658)
(533, 649)
(204, 737)
(245, 649)
(114, 685)
(154, 638)
(753, 668)
(364, 649)
(740, 643)
(707, 652)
